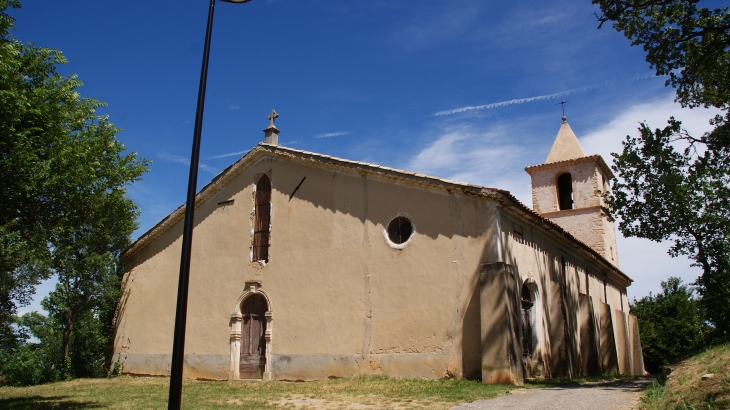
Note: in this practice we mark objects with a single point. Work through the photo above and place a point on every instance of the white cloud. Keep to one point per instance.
(469, 154)
(431, 29)
(229, 154)
(332, 134)
(647, 262)
(294, 142)
(540, 97)
(208, 169)
(166, 156)
(606, 138)
(233, 107)
(487, 156)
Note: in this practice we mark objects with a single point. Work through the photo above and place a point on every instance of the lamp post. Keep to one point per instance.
(178, 344)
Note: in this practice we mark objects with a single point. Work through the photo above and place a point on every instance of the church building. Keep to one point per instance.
(306, 266)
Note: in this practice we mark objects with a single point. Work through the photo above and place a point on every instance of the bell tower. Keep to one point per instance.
(565, 189)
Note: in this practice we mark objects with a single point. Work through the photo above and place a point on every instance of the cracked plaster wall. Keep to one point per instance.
(344, 302)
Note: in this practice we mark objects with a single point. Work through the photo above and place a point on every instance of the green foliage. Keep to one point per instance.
(31, 363)
(42, 360)
(89, 339)
(670, 324)
(64, 211)
(665, 194)
(671, 185)
(688, 43)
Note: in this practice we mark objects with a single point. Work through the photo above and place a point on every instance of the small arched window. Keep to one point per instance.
(565, 191)
(526, 298)
(262, 220)
(528, 328)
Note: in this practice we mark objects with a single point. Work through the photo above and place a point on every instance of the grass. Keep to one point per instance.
(350, 393)
(685, 389)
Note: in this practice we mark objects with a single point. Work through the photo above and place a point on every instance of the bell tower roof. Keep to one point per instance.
(566, 145)
(567, 189)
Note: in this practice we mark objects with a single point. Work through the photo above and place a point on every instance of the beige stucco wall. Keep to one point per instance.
(344, 302)
(537, 257)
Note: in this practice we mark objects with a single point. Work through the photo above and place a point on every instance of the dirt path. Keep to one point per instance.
(605, 396)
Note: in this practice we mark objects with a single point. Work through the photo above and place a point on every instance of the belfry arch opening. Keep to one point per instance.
(565, 191)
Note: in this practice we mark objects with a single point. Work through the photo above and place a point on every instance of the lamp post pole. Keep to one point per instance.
(178, 344)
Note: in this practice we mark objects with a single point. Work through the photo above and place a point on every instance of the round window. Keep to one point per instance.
(400, 230)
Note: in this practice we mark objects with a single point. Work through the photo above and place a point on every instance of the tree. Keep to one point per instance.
(671, 185)
(30, 362)
(688, 43)
(664, 194)
(671, 324)
(64, 208)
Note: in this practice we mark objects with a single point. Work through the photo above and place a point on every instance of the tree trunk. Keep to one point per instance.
(67, 335)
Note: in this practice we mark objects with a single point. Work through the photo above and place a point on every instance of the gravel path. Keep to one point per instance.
(604, 396)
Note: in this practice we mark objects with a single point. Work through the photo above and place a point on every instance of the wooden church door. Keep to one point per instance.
(253, 344)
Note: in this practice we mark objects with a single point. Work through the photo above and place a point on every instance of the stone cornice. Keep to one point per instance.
(520, 210)
(550, 214)
(583, 160)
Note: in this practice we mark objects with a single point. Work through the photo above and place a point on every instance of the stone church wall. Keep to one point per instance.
(580, 334)
(344, 302)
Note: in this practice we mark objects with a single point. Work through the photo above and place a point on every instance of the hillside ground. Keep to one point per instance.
(685, 388)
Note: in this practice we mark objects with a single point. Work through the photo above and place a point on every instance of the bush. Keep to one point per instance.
(27, 365)
(671, 324)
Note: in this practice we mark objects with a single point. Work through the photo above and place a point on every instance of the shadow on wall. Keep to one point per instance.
(573, 339)
(471, 344)
(119, 315)
(312, 191)
(559, 355)
(577, 332)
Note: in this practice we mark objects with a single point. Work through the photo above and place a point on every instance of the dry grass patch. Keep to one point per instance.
(348, 393)
(685, 389)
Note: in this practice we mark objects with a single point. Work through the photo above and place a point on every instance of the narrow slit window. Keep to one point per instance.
(262, 220)
(565, 191)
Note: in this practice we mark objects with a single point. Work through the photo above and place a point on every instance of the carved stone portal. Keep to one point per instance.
(256, 349)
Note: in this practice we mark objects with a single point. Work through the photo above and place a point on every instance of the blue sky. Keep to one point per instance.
(465, 89)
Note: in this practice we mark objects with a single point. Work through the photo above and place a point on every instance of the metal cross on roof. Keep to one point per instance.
(272, 117)
(563, 104)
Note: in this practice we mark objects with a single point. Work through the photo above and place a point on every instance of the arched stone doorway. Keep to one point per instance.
(251, 335)
(253, 344)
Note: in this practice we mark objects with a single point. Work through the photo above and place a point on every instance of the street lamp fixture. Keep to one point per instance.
(178, 344)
